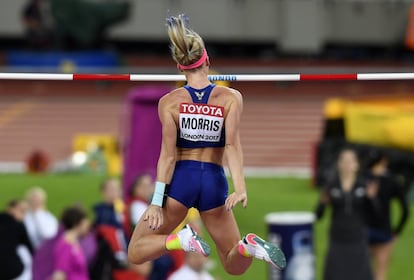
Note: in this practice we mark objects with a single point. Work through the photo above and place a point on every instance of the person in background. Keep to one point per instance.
(69, 259)
(194, 268)
(141, 193)
(40, 223)
(38, 162)
(381, 233)
(351, 198)
(111, 261)
(38, 22)
(15, 246)
(83, 24)
(110, 210)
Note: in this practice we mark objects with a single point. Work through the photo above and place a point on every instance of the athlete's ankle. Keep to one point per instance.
(172, 242)
(179, 240)
(241, 247)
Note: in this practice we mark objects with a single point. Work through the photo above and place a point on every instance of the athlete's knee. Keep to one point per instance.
(135, 252)
(133, 256)
(235, 270)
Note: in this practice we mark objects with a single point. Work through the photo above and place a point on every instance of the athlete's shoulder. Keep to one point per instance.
(231, 92)
(232, 96)
(173, 93)
(172, 96)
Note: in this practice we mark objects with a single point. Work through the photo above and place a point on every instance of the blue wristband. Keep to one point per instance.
(158, 197)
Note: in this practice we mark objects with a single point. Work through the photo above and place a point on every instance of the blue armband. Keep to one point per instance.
(159, 193)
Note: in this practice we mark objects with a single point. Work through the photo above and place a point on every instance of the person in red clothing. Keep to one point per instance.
(112, 239)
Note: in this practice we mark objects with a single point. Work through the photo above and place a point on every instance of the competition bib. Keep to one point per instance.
(201, 122)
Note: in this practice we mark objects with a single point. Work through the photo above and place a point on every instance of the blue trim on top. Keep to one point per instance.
(200, 95)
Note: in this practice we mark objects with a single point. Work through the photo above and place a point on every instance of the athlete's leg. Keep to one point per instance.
(223, 228)
(382, 256)
(147, 244)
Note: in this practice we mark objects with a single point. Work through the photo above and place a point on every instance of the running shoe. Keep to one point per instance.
(191, 242)
(263, 250)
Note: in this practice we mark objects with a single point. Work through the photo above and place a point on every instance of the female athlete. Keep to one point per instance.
(200, 125)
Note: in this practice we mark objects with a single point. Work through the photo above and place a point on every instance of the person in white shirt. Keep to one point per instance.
(40, 223)
(193, 269)
(141, 192)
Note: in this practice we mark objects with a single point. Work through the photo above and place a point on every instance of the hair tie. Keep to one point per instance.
(196, 64)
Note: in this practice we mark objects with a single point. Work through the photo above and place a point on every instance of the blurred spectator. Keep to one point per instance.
(194, 268)
(96, 161)
(69, 259)
(351, 198)
(37, 162)
(110, 210)
(111, 261)
(82, 24)
(43, 267)
(381, 232)
(141, 193)
(39, 222)
(38, 22)
(71, 24)
(15, 246)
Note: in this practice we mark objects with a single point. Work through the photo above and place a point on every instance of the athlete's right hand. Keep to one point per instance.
(235, 198)
(154, 216)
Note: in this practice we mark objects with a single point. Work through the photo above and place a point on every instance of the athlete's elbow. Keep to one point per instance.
(232, 147)
(169, 160)
(166, 160)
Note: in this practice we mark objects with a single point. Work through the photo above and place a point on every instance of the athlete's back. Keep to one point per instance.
(200, 117)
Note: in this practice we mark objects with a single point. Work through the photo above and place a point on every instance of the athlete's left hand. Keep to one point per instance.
(153, 215)
(235, 198)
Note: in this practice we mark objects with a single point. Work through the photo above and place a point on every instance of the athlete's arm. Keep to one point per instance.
(166, 161)
(234, 153)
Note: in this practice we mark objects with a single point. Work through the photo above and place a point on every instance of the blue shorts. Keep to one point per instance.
(378, 237)
(201, 185)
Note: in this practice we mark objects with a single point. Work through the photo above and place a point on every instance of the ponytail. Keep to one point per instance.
(187, 47)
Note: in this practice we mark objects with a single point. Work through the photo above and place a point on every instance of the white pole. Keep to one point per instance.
(223, 77)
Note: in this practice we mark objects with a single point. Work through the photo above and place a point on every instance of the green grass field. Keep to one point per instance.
(265, 196)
